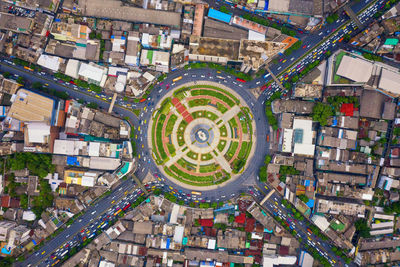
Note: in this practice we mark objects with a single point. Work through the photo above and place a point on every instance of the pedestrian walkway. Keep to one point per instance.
(275, 79)
(230, 114)
(352, 15)
(182, 110)
(224, 164)
(267, 196)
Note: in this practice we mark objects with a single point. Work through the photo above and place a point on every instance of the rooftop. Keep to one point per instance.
(114, 9)
(214, 47)
(355, 69)
(30, 106)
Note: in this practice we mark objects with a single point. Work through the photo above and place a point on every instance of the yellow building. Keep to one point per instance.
(80, 177)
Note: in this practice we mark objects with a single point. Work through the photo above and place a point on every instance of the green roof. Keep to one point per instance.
(391, 41)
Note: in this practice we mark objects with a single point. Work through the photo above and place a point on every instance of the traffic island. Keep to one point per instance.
(202, 135)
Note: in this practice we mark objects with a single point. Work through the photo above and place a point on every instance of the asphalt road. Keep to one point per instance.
(248, 178)
(91, 214)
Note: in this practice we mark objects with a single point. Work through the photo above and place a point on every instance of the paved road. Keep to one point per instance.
(248, 178)
(273, 205)
(91, 214)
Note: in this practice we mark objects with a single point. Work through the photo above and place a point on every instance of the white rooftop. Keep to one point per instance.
(37, 132)
(72, 68)
(305, 146)
(91, 72)
(355, 69)
(49, 62)
(390, 81)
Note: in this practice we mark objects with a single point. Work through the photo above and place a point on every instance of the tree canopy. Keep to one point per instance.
(321, 113)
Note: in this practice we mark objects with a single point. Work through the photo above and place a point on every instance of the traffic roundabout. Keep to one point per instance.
(202, 135)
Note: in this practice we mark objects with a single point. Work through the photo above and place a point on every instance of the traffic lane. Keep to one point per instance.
(92, 228)
(300, 225)
(299, 228)
(76, 228)
(65, 235)
(324, 33)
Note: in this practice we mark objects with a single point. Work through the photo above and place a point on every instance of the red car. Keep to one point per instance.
(167, 87)
(263, 87)
(142, 100)
(304, 46)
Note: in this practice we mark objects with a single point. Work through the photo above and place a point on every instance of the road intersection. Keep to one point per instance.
(247, 182)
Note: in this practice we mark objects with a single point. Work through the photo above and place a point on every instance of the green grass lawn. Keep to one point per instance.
(192, 155)
(221, 145)
(243, 150)
(198, 102)
(221, 108)
(205, 157)
(181, 130)
(223, 132)
(208, 168)
(159, 141)
(170, 124)
(231, 96)
(232, 149)
(218, 95)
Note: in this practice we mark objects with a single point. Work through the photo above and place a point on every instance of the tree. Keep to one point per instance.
(362, 228)
(24, 201)
(267, 159)
(6, 74)
(37, 85)
(92, 105)
(224, 9)
(92, 35)
(346, 37)
(321, 113)
(21, 80)
(231, 218)
(303, 198)
(263, 174)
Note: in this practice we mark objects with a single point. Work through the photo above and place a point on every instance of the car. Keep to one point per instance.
(284, 61)
(304, 46)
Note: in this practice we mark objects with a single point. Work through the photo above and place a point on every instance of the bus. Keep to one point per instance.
(118, 211)
(126, 207)
(196, 193)
(63, 254)
(240, 80)
(27, 68)
(177, 79)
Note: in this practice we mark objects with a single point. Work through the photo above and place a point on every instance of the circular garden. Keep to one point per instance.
(201, 135)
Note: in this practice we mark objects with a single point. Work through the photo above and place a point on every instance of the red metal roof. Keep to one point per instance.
(5, 201)
(240, 218)
(250, 225)
(347, 109)
(206, 222)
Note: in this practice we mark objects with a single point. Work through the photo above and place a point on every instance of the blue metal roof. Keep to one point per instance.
(218, 15)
